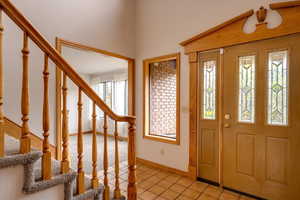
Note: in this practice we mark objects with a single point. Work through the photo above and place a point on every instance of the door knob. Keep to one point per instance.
(227, 116)
(226, 125)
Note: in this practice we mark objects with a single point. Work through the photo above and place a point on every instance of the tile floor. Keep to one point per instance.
(155, 184)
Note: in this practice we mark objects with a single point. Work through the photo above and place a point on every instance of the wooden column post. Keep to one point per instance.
(131, 188)
(46, 159)
(2, 137)
(105, 161)
(25, 140)
(80, 172)
(65, 163)
(117, 191)
(193, 60)
(95, 180)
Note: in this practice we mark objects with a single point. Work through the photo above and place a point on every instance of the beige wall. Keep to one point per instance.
(160, 26)
(105, 24)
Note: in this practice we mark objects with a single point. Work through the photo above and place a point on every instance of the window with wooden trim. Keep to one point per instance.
(161, 98)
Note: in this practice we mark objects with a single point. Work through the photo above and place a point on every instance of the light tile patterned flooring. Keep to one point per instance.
(156, 184)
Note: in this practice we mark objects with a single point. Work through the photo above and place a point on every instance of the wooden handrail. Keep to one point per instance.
(12, 12)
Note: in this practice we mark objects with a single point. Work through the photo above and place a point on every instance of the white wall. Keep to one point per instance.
(73, 108)
(160, 26)
(105, 24)
(13, 189)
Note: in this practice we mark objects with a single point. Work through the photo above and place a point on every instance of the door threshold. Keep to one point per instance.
(243, 193)
(208, 181)
(227, 188)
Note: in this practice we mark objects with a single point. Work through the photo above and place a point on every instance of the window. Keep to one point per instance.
(115, 95)
(161, 99)
(246, 106)
(278, 88)
(209, 90)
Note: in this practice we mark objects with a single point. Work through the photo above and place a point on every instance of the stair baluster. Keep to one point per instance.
(25, 143)
(131, 188)
(80, 175)
(46, 159)
(117, 191)
(95, 180)
(65, 163)
(1, 89)
(105, 161)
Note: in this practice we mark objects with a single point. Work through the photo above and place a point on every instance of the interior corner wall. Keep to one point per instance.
(104, 24)
(160, 27)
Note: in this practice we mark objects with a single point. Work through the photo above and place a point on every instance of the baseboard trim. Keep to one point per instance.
(84, 132)
(14, 130)
(162, 167)
(120, 138)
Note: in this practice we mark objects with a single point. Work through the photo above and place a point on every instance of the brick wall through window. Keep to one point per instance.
(163, 98)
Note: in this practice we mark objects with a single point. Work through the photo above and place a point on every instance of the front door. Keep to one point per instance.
(261, 118)
(208, 121)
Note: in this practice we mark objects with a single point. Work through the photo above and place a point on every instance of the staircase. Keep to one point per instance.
(43, 175)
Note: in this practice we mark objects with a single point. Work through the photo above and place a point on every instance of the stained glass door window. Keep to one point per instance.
(246, 106)
(278, 88)
(209, 90)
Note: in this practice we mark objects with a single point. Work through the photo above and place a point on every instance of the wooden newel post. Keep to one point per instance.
(25, 140)
(131, 188)
(1, 89)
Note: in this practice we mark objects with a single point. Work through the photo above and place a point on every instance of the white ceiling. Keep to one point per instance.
(90, 62)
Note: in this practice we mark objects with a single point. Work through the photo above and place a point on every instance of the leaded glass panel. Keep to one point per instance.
(246, 106)
(209, 90)
(278, 88)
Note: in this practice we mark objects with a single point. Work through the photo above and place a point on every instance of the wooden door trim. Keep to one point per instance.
(146, 113)
(231, 32)
(215, 38)
(59, 43)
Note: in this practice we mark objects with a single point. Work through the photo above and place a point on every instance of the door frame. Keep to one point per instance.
(59, 43)
(221, 36)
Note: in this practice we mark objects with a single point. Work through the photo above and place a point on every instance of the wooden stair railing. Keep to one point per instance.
(46, 159)
(117, 191)
(68, 73)
(65, 163)
(95, 180)
(80, 172)
(105, 160)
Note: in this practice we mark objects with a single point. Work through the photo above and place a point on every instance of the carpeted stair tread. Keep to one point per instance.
(90, 194)
(20, 159)
(55, 168)
(33, 173)
(87, 185)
